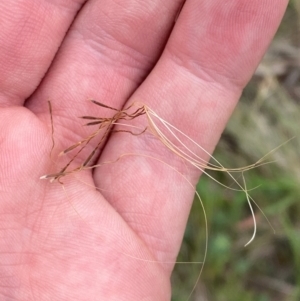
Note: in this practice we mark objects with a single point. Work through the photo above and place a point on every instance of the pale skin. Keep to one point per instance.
(81, 243)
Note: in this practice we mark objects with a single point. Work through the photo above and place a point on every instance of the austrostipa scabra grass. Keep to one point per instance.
(165, 133)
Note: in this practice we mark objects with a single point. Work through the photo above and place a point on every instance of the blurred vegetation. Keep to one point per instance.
(267, 116)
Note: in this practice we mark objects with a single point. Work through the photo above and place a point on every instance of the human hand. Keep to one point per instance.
(80, 244)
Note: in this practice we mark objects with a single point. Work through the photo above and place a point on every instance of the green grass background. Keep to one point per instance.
(268, 115)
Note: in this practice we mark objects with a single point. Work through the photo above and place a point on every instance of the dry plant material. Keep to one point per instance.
(156, 126)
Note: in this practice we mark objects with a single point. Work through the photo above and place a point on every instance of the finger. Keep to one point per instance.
(211, 54)
(31, 32)
(109, 50)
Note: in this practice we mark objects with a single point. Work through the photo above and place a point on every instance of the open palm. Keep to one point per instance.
(81, 243)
